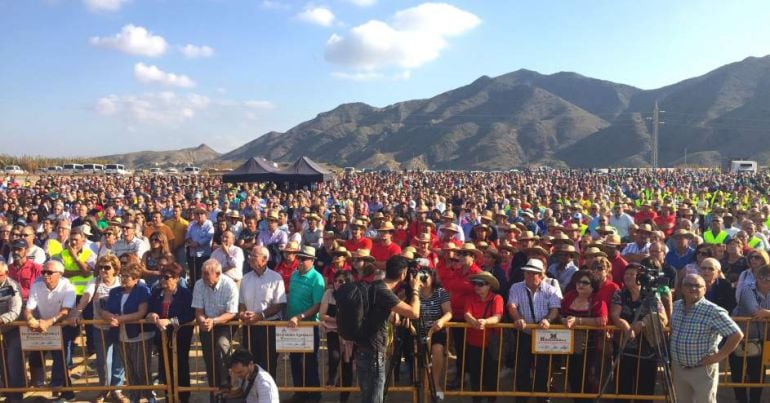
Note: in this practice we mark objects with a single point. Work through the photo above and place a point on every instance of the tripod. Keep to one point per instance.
(659, 344)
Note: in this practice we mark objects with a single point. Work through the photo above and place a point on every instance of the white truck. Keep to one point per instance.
(737, 166)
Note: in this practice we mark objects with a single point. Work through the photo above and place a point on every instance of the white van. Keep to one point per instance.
(191, 171)
(115, 169)
(156, 171)
(54, 169)
(13, 170)
(743, 166)
(72, 168)
(93, 168)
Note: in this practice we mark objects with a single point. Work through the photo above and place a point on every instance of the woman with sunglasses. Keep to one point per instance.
(339, 263)
(484, 307)
(128, 303)
(109, 364)
(756, 258)
(170, 306)
(340, 351)
(158, 248)
(638, 364)
(754, 302)
(435, 312)
(109, 239)
(582, 307)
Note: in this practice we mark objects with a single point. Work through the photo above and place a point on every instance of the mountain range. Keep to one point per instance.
(525, 118)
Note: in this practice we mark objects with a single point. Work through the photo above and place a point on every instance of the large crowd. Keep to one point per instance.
(531, 248)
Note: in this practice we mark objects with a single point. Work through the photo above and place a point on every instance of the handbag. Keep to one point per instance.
(750, 347)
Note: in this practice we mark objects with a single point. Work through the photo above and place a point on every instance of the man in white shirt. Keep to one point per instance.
(620, 220)
(50, 301)
(262, 297)
(230, 257)
(129, 243)
(252, 383)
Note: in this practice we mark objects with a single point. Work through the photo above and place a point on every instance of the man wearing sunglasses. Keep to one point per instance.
(50, 302)
(697, 327)
(34, 252)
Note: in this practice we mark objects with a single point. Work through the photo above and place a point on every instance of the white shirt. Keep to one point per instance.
(621, 223)
(259, 292)
(98, 292)
(50, 302)
(264, 389)
(135, 246)
(231, 261)
(34, 253)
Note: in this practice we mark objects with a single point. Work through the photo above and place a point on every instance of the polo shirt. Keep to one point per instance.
(47, 302)
(478, 308)
(135, 246)
(306, 290)
(222, 298)
(258, 292)
(382, 253)
(697, 333)
(25, 276)
(679, 261)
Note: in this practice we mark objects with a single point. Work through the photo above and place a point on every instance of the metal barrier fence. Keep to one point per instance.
(595, 360)
(61, 357)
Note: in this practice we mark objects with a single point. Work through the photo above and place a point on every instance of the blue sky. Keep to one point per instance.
(94, 77)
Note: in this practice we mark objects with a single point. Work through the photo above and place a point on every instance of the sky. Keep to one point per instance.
(98, 77)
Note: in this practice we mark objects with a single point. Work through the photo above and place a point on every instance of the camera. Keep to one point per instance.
(417, 267)
(650, 278)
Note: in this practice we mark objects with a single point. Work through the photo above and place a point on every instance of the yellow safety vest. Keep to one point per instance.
(54, 247)
(754, 242)
(710, 239)
(79, 281)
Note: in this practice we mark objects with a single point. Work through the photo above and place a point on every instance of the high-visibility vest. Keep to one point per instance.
(80, 281)
(754, 242)
(54, 247)
(709, 237)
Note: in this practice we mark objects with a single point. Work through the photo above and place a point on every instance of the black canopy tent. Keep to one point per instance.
(257, 169)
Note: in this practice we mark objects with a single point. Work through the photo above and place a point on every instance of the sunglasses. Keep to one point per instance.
(758, 257)
(105, 267)
(48, 272)
(166, 276)
(154, 239)
(583, 282)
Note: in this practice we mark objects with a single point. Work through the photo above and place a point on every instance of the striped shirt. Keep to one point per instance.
(696, 333)
(430, 308)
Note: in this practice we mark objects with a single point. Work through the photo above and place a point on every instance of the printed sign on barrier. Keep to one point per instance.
(36, 341)
(294, 340)
(552, 341)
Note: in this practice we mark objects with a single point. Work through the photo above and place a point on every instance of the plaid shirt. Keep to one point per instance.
(545, 298)
(218, 300)
(696, 334)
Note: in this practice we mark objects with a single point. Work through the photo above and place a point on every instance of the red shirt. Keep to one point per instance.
(661, 220)
(382, 253)
(25, 276)
(285, 269)
(606, 291)
(618, 268)
(353, 245)
(598, 306)
(401, 237)
(642, 217)
(460, 289)
(478, 308)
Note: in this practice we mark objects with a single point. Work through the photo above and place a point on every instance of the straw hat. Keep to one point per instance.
(683, 232)
(451, 227)
(423, 238)
(487, 215)
(448, 215)
(566, 249)
(291, 247)
(386, 226)
(363, 254)
(429, 223)
(537, 250)
(341, 251)
(561, 239)
(593, 251)
(358, 223)
(612, 240)
(527, 236)
(307, 251)
(469, 247)
(488, 278)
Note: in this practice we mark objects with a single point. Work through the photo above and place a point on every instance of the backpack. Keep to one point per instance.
(353, 302)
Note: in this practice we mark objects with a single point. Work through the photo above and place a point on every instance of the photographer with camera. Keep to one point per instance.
(255, 385)
(10, 309)
(372, 342)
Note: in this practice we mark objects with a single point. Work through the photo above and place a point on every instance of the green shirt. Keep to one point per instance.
(306, 290)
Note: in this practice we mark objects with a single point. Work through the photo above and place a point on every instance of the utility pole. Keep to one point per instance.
(655, 124)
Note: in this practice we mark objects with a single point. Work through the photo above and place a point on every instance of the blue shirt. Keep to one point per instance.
(697, 333)
(202, 234)
(679, 261)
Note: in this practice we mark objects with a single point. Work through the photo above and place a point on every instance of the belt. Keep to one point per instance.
(688, 366)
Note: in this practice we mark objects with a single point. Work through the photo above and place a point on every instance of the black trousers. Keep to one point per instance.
(528, 365)
(334, 345)
(632, 383)
(751, 374)
(262, 347)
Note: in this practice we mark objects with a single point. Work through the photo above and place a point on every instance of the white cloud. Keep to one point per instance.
(258, 104)
(104, 5)
(194, 52)
(153, 75)
(414, 36)
(317, 15)
(133, 40)
(363, 3)
(162, 108)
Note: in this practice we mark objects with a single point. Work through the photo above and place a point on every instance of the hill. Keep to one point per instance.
(200, 155)
(527, 118)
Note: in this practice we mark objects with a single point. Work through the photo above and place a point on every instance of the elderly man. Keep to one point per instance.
(34, 252)
(10, 309)
(262, 297)
(215, 299)
(697, 327)
(53, 246)
(306, 290)
(230, 257)
(198, 239)
(50, 301)
(532, 302)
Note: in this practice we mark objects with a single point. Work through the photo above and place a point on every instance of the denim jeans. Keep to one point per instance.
(59, 373)
(370, 368)
(309, 363)
(109, 364)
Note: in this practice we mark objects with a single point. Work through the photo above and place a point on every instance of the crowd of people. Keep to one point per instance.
(532, 248)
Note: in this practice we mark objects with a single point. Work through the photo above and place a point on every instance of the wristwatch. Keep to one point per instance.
(302, 315)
